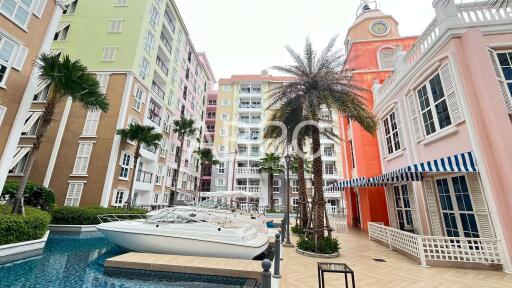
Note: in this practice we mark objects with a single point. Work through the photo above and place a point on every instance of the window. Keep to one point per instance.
(166, 197)
(295, 204)
(7, 49)
(155, 198)
(276, 186)
(329, 168)
(224, 117)
(62, 32)
(149, 42)
(433, 106)
(144, 68)
(74, 193)
(154, 17)
(225, 102)
(139, 96)
(159, 175)
(220, 183)
(391, 134)
(457, 207)
(31, 124)
(222, 148)
(223, 132)
(502, 63)
(119, 199)
(221, 168)
(42, 93)
(116, 26)
(329, 151)
(19, 161)
(82, 158)
(109, 53)
(70, 8)
(17, 10)
(212, 102)
(385, 56)
(2, 114)
(403, 208)
(121, 3)
(91, 123)
(126, 163)
(294, 183)
(226, 88)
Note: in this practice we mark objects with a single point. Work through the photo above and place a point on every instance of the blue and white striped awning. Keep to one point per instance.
(339, 186)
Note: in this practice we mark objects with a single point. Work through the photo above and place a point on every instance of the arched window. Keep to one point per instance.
(385, 56)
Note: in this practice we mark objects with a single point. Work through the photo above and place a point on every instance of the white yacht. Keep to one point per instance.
(191, 231)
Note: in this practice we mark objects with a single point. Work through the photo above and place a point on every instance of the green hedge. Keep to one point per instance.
(87, 215)
(35, 195)
(16, 228)
(328, 245)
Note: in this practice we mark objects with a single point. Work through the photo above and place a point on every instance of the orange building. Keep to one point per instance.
(371, 44)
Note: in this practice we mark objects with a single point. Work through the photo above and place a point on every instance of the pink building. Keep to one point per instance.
(209, 137)
(445, 134)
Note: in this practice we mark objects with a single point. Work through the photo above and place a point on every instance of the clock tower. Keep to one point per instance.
(370, 46)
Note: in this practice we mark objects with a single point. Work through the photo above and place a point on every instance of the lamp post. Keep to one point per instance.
(287, 159)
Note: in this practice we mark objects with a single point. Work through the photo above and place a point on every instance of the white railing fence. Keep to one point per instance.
(433, 248)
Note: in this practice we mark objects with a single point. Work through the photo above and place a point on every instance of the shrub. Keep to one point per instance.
(298, 230)
(17, 228)
(87, 215)
(328, 245)
(35, 195)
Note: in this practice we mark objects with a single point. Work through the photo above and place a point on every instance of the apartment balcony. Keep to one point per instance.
(249, 155)
(250, 189)
(144, 177)
(164, 68)
(328, 155)
(166, 43)
(158, 90)
(249, 137)
(332, 194)
(154, 117)
(250, 92)
(246, 171)
(249, 107)
(170, 20)
(330, 172)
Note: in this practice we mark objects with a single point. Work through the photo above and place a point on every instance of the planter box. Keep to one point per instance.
(17, 251)
(315, 255)
(73, 228)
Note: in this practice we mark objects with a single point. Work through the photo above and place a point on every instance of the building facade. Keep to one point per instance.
(209, 138)
(26, 31)
(370, 43)
(152, 75)
(242, 116)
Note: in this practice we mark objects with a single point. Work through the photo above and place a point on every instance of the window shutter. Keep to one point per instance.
(103, 80)
(452, 98)
(390, 197)
(414, 207)
(39, 8)
(398, 121)
(82, 158)
(416, 124)
(501, 81)
(91, 123)
(430, 195)
(20, 58)
(30, 121)
(74, 194)
(382, 140)
(480, 206)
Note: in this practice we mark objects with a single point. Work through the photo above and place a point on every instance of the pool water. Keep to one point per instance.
(77, 261)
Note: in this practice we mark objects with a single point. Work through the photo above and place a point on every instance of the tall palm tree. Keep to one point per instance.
(322, 83)
(68, 79)
(140, 135)
(206, 158)
(302, 166)
(271, 164)
(184, 128)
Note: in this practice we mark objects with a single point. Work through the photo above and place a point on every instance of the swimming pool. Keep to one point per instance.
(77, 261)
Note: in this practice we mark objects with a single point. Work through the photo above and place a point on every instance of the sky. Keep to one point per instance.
(247, 36)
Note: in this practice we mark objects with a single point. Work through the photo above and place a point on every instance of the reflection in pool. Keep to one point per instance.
(77, 261)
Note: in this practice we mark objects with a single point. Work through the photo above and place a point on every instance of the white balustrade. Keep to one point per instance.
(250, 189)
(434, 248)
(247, 171)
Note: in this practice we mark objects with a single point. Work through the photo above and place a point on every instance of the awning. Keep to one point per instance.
(20, 153)
(339, 186)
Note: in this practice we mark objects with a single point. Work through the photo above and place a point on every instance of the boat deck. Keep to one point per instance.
(187, 264)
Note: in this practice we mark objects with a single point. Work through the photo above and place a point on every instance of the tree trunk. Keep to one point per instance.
(319, 203)
(271, 191)
(18, 205)
(172, 199)
(303, 194)
(200, 184)
(132, 183)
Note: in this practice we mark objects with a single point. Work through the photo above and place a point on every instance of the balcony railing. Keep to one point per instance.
(169, 21)
(167, 44)
(249, 137)
(250, 106)
(435, 248)
(250, 90)
(250, 189)
(247, 171)
(153, 116)
(144, 176)
(329, 154)
(158, 91)
(250, 121)
(163, 67)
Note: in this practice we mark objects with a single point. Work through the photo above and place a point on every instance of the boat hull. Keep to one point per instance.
(165, 244)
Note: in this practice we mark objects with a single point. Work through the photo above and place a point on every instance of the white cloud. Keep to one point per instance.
(246, 36)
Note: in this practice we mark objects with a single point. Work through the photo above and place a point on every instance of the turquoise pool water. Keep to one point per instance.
(77, 261)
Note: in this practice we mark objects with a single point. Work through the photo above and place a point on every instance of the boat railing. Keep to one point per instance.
(120, 217)
(172, 215)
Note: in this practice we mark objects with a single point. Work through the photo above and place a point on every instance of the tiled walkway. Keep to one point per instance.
(398, 270)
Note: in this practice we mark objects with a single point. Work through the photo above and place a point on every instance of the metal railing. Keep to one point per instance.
(158, 90)
(251, 189)
(153, 116)
(436, 248)
(162, 67)
(144, 176)
(247, 171)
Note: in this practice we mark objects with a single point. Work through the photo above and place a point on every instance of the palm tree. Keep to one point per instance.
(68, 79)
(184, 128)
(142, 136)
(322, 83)
(302, 166)
(271, 164)
(206, 158)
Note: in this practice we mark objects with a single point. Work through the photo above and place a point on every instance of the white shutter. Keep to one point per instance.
(20, 58)
(480, 206)
(456, 113)
(505, 93)
(430, 195)
(30, 121)
(91, 123)
(103, 80)
(398, 121)
(74, 194)
(82, 158)
(390, 197)
(415, 118)
(20, 153)
(39, 8)
(414, 207)
(382, 140)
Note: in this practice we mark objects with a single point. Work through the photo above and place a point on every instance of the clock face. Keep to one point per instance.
(379, 28)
